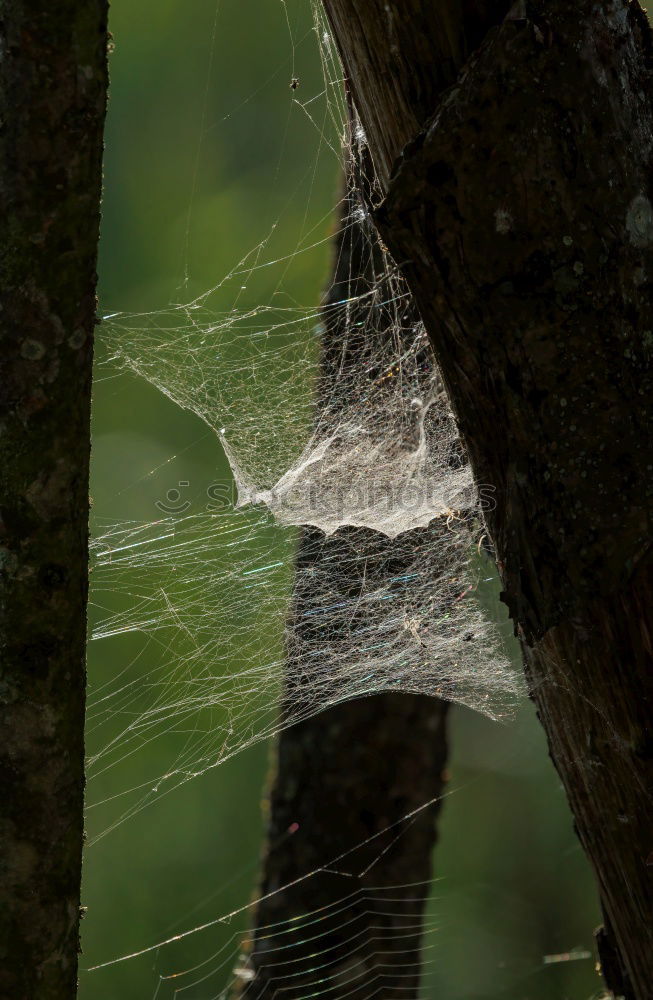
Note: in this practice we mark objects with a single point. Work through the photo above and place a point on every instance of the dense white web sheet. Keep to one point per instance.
(378, 450)
(391, 606)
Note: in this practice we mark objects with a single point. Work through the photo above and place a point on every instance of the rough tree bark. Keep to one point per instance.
(350, 783)
(53, 81)
(518, 206)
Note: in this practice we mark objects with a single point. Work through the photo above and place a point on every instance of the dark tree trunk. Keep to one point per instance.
(520, 213)
(343, 813)
(356, 791)
(53, 81)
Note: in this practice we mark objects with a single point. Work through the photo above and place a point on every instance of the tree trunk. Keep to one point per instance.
(53, 80)
(356, 791)
(520, 215)
(348, 859)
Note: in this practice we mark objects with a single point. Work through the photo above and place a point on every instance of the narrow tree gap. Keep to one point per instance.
(361, 781)
(53, 83)
(520, 214)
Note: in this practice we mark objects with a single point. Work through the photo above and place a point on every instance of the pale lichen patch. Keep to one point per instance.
(77, 338)
(503, 221)
(639, 221)
(32, 350)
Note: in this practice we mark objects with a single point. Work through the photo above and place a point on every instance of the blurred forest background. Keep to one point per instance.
(207, 148)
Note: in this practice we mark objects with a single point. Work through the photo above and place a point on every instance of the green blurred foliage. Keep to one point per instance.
(206, 152)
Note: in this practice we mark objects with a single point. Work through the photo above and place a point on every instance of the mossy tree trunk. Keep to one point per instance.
(518, 204)
(53, 81)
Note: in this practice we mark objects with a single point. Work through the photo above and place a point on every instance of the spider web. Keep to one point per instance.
(353, 433)
(392, 596)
